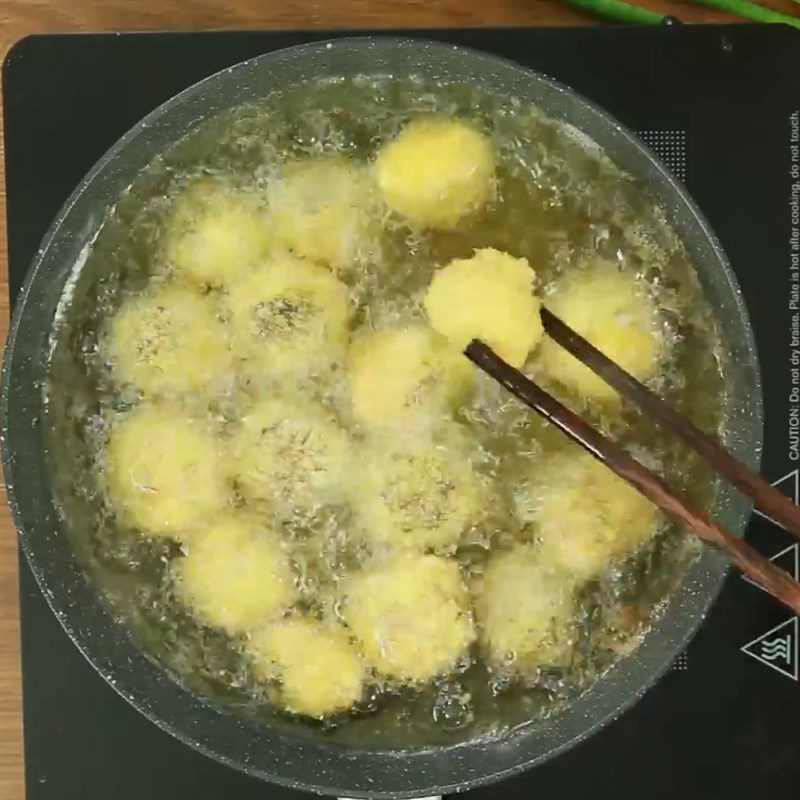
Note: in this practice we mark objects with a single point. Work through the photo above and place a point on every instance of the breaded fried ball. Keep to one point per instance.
(235, 575)
(292, 455)
(319, 669)
(410, 616)
(525, 612)
(396, 372)
(488, 297)
(611, 309)
(215, 235)
(169, 340)
(320, 209)
(584, 516)
(418, 492)
(436, 171)
(164, 471)
(289, 316)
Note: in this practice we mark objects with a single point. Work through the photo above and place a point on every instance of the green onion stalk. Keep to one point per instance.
(626, 12)
(619, 11)
(752, 11)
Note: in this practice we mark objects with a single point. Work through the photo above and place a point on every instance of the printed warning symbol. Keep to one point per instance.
(789, 484)
(788, 560)
(777, 648)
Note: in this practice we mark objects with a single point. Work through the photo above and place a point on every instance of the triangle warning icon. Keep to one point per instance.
(778, 648)
(787, 559)
(789, 484)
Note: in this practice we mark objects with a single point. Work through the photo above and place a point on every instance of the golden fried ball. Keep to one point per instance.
(392, 373)
(583, 514)
(320, 670)
(410, 616)
(418, 492)
(488, 297)
(525, 612)
(320, 209)
(235, 575)
(611, 310)
(169, 340)
(289, 316)
(164, 471)
(292, 455)
(216, 234)
(436, 171)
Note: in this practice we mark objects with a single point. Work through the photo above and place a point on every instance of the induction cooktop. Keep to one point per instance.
(721, 106)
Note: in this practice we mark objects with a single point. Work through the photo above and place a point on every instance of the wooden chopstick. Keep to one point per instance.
(759, 569)
(766, 498)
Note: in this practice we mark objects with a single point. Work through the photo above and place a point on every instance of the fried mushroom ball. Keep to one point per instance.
(292, 455)
(168, 340)
(216, 234)
(394, 373)
(319, 669)
(235, 575)
(320, 210)
(583, 515)
(410, 616)
(418, 492)
(288, 316)
(525, 612)
(488, 297)
(164, 471)
(436, 172)
(611, 309)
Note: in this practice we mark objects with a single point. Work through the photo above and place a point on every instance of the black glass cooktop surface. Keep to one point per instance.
(721, 105)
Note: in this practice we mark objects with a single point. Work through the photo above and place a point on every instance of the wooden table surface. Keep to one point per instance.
(19, 18)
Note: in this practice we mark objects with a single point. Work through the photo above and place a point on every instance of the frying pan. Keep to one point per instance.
(307, 758)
